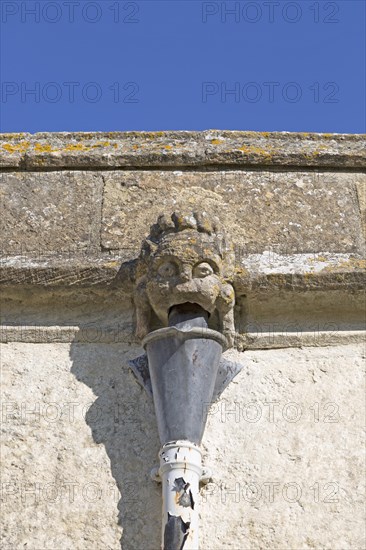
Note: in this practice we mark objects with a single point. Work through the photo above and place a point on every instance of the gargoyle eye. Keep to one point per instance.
(167, 269)
(202, 270)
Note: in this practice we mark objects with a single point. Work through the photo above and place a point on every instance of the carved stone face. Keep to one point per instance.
(185, 270)
(184, 259)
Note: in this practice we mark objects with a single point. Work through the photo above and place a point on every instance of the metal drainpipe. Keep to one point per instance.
(183, 363)
(180, 472)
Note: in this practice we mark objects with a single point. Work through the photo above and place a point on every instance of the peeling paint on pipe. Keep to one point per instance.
(180, 472)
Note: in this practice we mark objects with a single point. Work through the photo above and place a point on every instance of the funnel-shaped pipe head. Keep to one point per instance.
(187, 315)
(183, 367)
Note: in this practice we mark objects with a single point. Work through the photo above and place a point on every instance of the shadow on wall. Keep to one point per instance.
(122, 418)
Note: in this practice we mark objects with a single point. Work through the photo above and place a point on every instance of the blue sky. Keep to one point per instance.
(183, 65)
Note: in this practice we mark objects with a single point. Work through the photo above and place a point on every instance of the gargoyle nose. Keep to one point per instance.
(185, 275)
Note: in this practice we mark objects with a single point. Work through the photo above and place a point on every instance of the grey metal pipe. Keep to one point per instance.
(183, 363)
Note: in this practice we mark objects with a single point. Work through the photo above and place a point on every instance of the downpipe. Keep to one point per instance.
(183, 363)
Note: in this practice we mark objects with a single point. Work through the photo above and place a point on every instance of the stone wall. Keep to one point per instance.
(79, 437)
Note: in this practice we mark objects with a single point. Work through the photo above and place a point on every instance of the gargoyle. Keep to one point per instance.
(186, 258)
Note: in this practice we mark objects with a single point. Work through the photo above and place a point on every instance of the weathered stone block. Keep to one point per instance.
(50, 212)
(287, 211)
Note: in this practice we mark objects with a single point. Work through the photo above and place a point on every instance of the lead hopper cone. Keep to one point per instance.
(183, 364)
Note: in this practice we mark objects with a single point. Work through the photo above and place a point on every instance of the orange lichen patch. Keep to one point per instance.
(101, 144)
(168, 147)
(18, 148)
(216, 141)
(251, 150)
(43, 148)
(353, 263)
(77, 147)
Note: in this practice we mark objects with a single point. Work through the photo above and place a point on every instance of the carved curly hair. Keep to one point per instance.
(177, 222)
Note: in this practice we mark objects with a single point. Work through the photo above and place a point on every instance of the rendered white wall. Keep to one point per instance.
(285, 443)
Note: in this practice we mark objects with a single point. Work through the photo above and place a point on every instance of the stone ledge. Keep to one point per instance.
(299, 272)
(113, 335)
(111, 150)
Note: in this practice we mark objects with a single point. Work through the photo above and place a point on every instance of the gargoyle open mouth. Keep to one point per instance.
(188, 312)
(189, 307)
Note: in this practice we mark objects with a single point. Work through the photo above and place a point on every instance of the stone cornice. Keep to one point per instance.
(212, 148)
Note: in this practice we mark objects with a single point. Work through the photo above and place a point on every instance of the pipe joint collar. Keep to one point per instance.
(181, 455)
